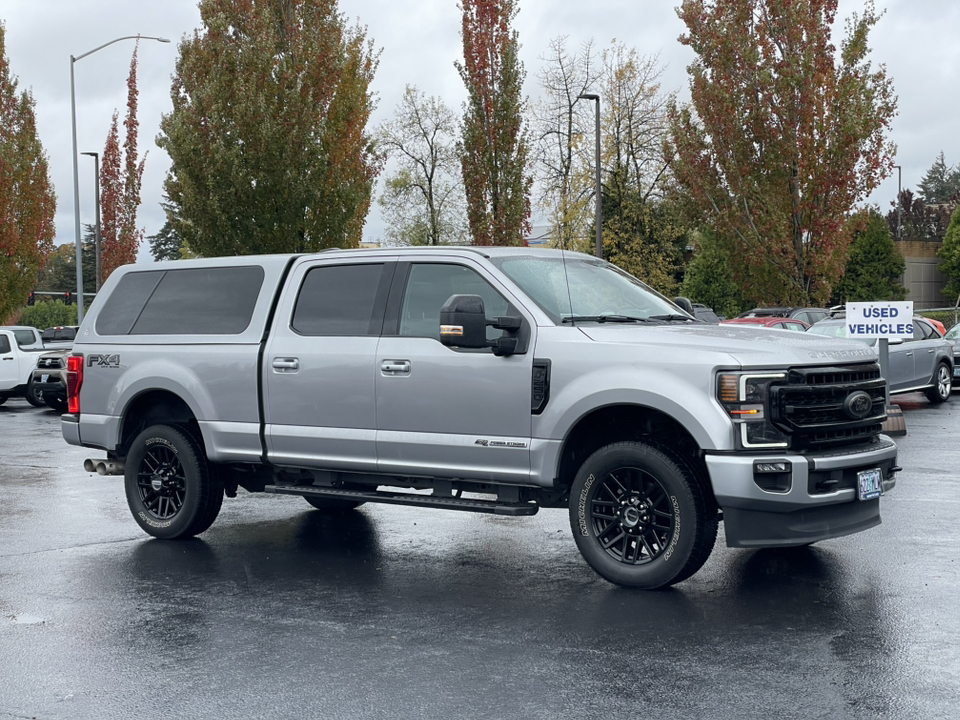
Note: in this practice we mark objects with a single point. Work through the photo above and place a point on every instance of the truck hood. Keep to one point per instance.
(747, 346)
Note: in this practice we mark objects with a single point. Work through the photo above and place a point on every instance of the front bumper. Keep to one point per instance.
(53, 387)
(815, 501)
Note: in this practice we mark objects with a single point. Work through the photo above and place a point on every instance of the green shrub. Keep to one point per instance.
(48, 313)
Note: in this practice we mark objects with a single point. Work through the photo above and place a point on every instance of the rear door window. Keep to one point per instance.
(4, 345)
(341, 300)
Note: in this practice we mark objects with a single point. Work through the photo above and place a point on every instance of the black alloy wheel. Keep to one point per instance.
(631, 515)
(161, 482)
(640, 516)
(171, 490)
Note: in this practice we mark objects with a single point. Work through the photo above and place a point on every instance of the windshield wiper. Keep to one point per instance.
(671, 318)
(604, 318)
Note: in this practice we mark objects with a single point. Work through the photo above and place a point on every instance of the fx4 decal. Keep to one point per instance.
(103, 361)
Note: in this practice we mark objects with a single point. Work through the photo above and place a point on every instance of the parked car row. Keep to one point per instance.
(27, 371)
(929, 361)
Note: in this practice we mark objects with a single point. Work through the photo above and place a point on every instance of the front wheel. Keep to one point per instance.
(942, 384)
(640, 518)
(170, 488)
(34, 396)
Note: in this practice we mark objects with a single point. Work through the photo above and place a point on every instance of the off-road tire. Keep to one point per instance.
(640, 518)
(171, 490)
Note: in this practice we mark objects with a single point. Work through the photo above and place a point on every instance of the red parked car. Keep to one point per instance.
(778, 323)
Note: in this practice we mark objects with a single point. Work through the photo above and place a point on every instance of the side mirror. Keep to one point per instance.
(895, 341)
(685, 304)
(463, 324)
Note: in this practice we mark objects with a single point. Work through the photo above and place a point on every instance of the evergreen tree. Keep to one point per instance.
(941, 183)
(875, 265)
(950, 254)
(494, 145)
(709, 278)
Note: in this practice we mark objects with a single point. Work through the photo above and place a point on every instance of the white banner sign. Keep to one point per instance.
(887, 319)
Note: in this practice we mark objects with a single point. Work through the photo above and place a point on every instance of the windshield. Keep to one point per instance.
(953, 333)
(835, 330)
(586, 289)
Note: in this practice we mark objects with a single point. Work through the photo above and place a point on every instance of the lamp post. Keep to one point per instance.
(76, 179)
(96, 236)
(899, 205)
(596, 222)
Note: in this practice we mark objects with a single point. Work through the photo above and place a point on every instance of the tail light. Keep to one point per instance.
(74, 383)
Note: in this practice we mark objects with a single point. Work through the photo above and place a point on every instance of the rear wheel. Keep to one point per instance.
(942, 384)
(640, 518)
(170, 488)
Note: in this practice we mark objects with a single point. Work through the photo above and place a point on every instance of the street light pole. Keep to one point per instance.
(96, 236)
(596, 222)
(899, 205)
(76, 174)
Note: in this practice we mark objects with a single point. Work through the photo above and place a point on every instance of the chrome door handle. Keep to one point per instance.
(286, 365)
(909, 353)
(395, 367)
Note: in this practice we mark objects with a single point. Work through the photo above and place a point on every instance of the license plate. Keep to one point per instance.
(956, 370)
(869, 484)
(43, 378)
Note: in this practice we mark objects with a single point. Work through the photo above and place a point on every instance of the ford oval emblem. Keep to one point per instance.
(858, 405)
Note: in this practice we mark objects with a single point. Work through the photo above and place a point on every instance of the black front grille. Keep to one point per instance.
(811, 407)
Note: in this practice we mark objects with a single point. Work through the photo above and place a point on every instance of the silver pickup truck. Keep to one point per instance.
(497, 380)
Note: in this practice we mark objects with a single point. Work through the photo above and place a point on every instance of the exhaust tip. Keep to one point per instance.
(89, 465)
(101, 469)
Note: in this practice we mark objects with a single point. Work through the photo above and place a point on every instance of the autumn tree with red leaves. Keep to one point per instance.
(784, 137)
(494, 144)
(27, 200)
(120, 178)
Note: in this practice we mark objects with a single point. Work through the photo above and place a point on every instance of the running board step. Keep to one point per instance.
(392, 498)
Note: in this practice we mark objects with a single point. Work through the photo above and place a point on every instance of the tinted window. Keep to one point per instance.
(923, 331)
(24, 337)
(4, 345)
(125, 303)
(200, 301)
(431, 285)
(338, 300)
(55, 334)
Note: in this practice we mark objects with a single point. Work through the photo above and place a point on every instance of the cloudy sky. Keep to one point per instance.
(420, 42)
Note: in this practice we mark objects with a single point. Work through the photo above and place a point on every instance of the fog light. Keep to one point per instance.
(771, 467)
(774, 476)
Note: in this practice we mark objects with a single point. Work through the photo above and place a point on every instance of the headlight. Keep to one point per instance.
(746, 397)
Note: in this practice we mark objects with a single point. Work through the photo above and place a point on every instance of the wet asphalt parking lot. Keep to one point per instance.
(279, 611)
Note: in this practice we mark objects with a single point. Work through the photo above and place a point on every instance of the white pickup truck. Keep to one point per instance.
(16, 369)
